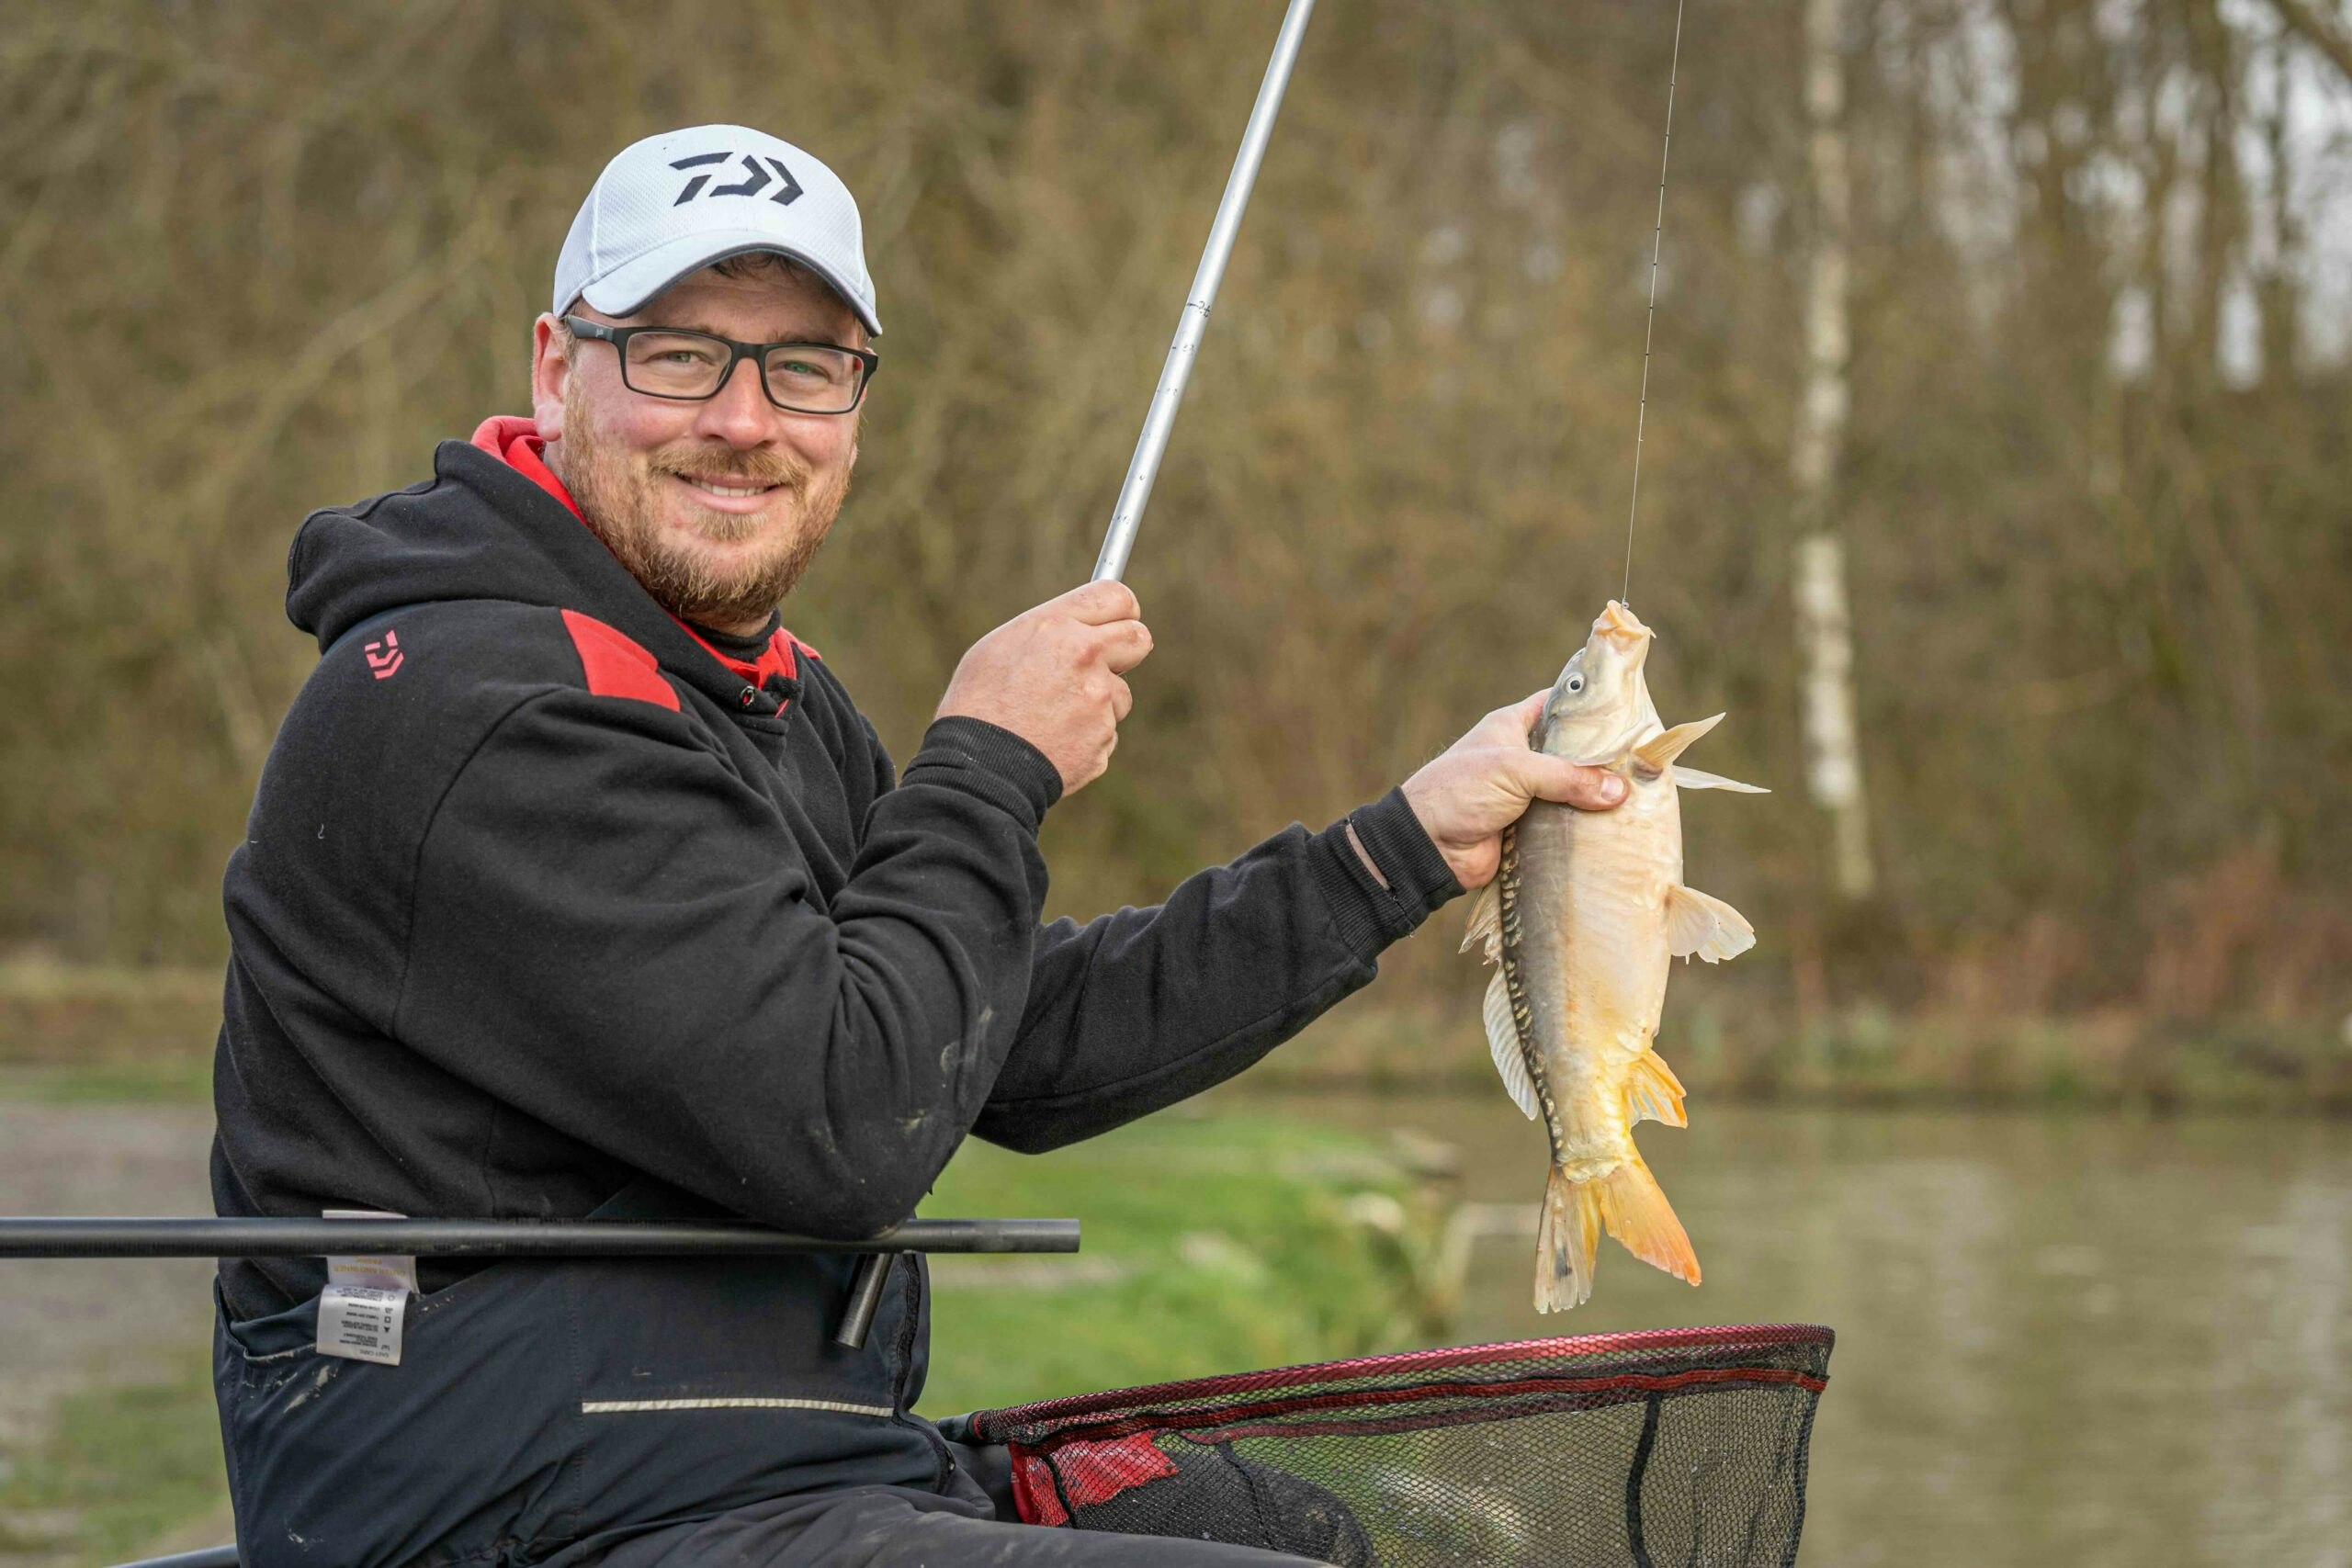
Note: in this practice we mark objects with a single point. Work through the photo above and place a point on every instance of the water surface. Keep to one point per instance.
(2062, 1339)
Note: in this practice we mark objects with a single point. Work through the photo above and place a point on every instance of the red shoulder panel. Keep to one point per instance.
(614, 666)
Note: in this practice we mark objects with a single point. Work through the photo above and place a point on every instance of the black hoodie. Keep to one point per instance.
(539, 899)
(543, 911)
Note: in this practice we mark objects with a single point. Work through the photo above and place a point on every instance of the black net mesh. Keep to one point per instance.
(1681, 1446)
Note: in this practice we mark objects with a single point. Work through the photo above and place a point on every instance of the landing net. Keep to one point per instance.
(1665, 1447)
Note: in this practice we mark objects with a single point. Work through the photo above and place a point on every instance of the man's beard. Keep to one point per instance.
(623, 505)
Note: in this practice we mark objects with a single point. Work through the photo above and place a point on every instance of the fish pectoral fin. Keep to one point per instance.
(1653, 1093)
(1703, 924)
(1502, 1043)
(1653, 755)
(1486, 920)
(1692, 778)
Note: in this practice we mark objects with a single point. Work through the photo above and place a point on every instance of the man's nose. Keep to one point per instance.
(739, 413)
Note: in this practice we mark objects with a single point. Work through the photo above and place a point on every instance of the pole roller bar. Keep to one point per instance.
(1160, 419)
(203, 1237)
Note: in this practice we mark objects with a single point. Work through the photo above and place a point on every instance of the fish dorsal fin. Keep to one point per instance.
(1486, 921)
(1692, 778)
(1653, 1093)
(1702, 924)
(1502, 1040)
(1653, 755)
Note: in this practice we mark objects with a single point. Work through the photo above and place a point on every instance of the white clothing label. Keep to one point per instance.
(365, 1306)
(362, 1323)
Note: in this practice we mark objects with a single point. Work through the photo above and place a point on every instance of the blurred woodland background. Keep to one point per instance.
(2079, 419)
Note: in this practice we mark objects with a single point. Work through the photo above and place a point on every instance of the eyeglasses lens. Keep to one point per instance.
(811, 379)
(821, 380)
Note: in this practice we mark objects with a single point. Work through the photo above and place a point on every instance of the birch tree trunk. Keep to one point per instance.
(1825, 623)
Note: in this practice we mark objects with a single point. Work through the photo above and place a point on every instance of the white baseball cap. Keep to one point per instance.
(674, 203)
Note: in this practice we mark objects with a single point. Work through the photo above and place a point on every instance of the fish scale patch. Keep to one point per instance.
(1507, 897)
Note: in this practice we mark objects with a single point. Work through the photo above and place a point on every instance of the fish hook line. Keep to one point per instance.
(1649, 328)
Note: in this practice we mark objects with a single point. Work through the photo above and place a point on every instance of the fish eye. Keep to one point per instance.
(1575, 682)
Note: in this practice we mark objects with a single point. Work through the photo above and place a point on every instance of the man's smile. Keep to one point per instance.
(727, 495)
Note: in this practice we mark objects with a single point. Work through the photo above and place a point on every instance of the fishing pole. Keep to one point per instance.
(72, 1236)
(1649, 327)
(27, 1236)
(1160, 418)
(1144, 467)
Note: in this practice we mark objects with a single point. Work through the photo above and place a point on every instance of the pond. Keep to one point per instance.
(2079, 1339)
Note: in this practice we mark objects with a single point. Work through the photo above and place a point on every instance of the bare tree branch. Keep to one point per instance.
(2304, 20)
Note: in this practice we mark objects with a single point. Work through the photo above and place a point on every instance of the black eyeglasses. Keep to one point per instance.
(669, 362)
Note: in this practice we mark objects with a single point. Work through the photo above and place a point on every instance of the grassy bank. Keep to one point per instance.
(81, 1034)
(120, 1469)
(1210, 1244)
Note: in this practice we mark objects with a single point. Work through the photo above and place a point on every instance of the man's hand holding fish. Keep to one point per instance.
(1484, 783)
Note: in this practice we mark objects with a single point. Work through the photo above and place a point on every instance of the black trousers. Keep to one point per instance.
(971, 1526)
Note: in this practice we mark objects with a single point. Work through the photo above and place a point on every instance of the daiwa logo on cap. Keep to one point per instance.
(752, 187)
(673, 204)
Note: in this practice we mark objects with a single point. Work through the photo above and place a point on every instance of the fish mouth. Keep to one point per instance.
(1621, 625)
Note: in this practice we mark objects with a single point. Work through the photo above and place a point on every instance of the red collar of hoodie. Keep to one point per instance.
(517, 441)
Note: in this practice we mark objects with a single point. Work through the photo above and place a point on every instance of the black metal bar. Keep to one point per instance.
(99, 1237)
(864, 1300)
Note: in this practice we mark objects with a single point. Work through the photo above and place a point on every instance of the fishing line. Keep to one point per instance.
(1649, 329)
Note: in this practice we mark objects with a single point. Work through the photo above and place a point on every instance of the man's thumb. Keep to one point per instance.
(1572, 783)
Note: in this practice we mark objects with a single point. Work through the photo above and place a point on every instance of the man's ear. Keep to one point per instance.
(550, 373)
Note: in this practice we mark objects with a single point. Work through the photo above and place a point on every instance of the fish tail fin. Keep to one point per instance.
(1633, 1209)
(1566, 1237)
(1629, 1204)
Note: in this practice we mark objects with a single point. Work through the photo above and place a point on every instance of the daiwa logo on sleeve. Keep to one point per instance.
(384, 655)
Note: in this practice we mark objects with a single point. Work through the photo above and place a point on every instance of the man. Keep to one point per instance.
(576, 885)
